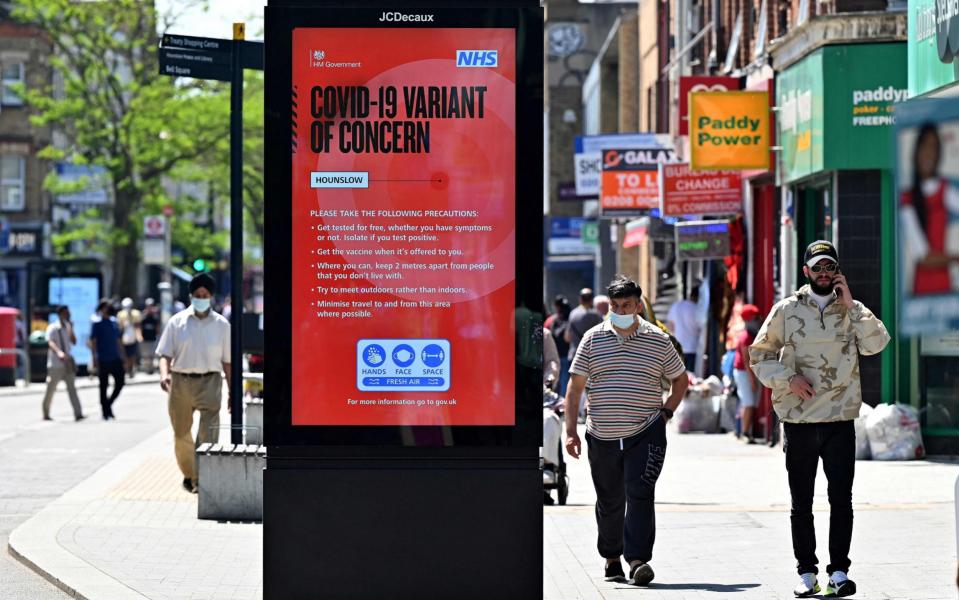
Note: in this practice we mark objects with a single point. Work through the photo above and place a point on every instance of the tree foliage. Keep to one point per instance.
(114, 109)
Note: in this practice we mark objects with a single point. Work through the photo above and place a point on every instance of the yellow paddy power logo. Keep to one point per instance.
(729, 130)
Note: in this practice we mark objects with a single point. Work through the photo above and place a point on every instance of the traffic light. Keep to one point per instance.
(199, 265)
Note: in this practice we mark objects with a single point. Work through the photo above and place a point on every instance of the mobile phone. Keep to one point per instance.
(836, 290)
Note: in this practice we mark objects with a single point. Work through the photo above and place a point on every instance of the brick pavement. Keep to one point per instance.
(130, 532)
(723, 531)
(40, 460)
(723, 528)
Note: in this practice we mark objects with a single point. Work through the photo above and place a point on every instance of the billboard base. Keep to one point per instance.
(402, 529)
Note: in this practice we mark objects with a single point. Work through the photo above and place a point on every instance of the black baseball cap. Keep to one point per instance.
(819, 250)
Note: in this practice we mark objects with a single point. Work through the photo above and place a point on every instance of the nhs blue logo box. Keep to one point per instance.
(477, 58)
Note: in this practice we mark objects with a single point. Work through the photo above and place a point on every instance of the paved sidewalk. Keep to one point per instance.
(83, 383)
(130, 532)
(723, 528)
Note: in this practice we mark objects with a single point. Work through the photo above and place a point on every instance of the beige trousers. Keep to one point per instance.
(55, 375)
(188, 394)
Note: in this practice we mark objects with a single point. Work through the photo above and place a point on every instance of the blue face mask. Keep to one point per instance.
(622, 321)
(201, 305)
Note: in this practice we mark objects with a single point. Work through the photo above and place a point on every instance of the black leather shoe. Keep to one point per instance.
(81, 417)
(188, 484)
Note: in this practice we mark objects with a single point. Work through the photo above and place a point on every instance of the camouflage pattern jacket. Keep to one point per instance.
(824, 347)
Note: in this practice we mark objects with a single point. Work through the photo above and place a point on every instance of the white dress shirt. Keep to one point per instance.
(196, 345)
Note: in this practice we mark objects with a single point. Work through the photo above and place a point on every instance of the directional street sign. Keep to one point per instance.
(206, 58)
(198, 64)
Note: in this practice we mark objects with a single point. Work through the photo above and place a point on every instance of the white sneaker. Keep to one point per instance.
(807, 587)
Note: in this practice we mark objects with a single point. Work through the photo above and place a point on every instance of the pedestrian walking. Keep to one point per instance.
(807, 352)
(105, 341)
(581, 319)
(61, 339)
(130, 320)
(601, 305)
(150, 328)
(747, 386)
(683, 320)
(557, 324)
(194, 348)
(621, 364)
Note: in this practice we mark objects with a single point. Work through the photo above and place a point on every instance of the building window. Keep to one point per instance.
(12, 182)
(11, 74)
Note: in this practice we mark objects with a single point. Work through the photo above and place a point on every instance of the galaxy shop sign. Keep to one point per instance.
(588, 155)
(631, 178)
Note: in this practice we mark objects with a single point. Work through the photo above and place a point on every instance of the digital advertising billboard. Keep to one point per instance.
(927, 174)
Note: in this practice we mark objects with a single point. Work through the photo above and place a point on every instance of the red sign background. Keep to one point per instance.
(470, 167)
(630, 190)
(686, 192)
(700, 83)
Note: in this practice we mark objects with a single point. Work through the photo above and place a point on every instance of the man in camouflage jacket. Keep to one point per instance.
(807, 352)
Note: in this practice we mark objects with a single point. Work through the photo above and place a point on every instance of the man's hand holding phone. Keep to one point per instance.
(841, 289)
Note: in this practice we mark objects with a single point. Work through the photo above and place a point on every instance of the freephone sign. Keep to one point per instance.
(403, 272)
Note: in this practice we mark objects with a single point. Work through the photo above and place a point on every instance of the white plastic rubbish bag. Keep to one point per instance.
(697, 412)
(894, 433)
(862, 439)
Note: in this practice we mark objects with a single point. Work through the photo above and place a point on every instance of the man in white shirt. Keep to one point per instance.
(193, 349)
(683, 322)
(60, 365)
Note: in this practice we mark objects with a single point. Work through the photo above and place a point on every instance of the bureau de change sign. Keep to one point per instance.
(403, 230)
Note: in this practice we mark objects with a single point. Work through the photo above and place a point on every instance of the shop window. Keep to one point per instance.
(11, 74)
(12, 182)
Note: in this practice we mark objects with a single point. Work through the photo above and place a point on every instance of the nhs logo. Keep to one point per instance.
(476, 58)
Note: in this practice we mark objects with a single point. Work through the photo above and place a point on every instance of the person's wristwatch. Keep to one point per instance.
(668, 412)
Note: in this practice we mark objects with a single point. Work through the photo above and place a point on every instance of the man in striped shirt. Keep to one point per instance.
(622, 364)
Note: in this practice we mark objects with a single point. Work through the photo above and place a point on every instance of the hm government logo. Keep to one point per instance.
(316, 59)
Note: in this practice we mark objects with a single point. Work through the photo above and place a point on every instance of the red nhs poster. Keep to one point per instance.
(403, 233)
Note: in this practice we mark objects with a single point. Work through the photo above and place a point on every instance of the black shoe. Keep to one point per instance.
(81, 417)
(641, 574)
(841, 589)
(188, 484)
(615, 571)
(47, 418)
(547, 499)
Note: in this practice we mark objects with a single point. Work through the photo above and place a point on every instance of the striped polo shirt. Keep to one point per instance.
(624, 377)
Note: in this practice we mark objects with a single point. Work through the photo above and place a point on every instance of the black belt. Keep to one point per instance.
(196, 375)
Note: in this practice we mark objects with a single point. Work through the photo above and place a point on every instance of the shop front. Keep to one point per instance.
(837, 161)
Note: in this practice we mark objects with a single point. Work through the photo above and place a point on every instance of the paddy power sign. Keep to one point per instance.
(729, 130)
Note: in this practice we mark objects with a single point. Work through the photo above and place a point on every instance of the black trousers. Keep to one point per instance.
(835, 444)
(104, 371)
(624, 475)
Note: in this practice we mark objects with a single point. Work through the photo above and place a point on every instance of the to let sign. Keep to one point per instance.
(685, 192)
(729, 130)
(631, 178)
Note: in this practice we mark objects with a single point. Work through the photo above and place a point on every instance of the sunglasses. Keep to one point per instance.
(830, 268)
